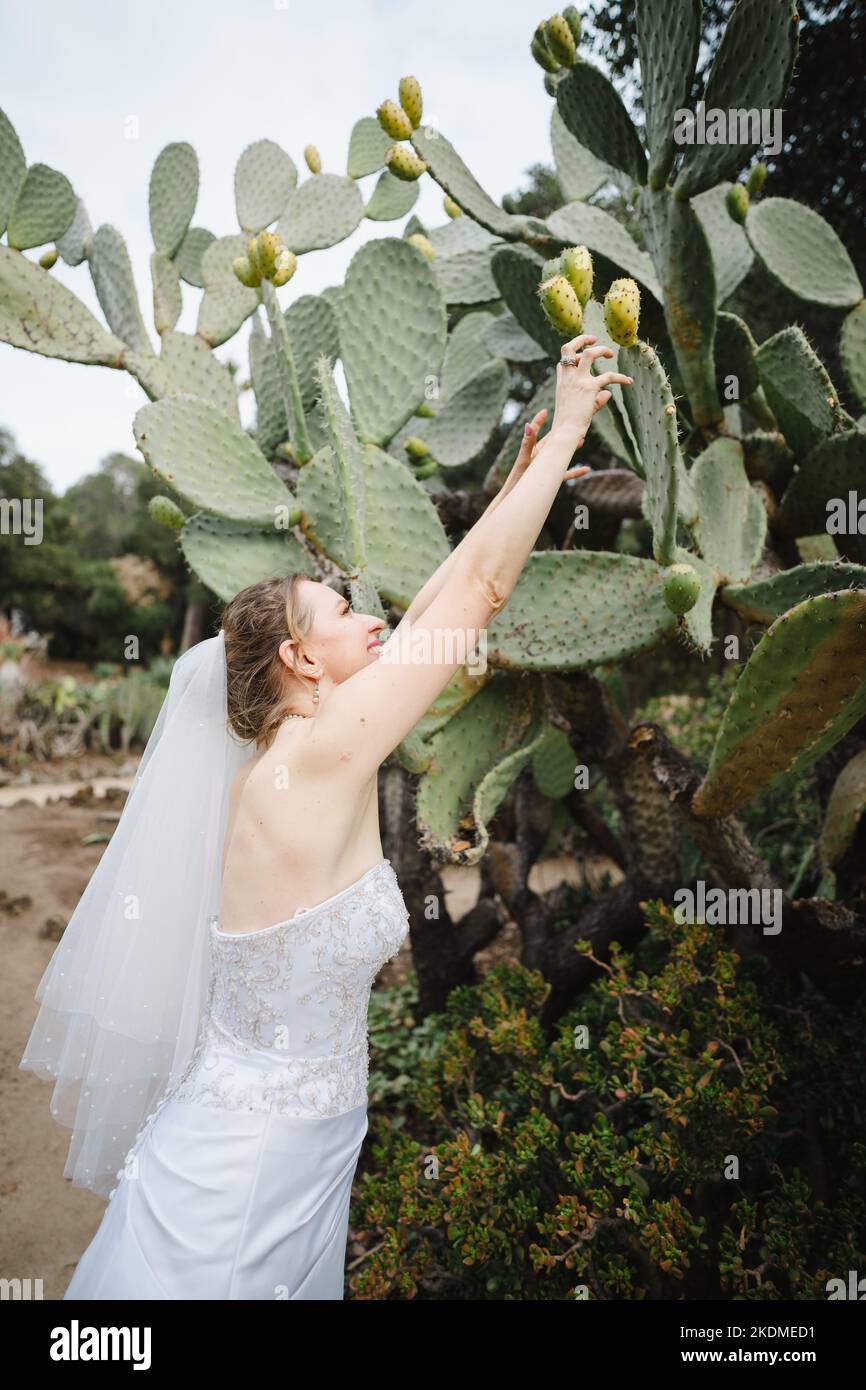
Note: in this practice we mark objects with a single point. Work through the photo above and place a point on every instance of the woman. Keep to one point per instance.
(238, 1183)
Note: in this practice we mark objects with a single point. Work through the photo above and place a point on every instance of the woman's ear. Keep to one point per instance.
(287, 654)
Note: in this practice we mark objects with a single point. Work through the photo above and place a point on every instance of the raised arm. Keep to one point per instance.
(368, 715)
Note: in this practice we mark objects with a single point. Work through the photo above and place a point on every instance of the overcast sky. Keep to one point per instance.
(222, 74)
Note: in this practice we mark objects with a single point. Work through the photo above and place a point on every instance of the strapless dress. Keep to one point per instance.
(239, 1183)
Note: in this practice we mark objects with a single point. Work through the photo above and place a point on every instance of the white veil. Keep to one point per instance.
(122, 996)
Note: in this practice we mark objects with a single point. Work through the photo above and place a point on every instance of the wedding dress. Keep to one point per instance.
(238, 1184)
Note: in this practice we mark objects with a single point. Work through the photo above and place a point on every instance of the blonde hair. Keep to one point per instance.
(256, 621)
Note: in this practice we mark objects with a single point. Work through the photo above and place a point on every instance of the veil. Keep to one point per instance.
(122, 997)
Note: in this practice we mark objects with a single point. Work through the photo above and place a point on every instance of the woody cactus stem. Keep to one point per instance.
(289, 383)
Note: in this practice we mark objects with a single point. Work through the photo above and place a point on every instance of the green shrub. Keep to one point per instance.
(528, 1166)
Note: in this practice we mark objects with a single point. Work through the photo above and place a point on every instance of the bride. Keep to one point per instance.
(204, 1017)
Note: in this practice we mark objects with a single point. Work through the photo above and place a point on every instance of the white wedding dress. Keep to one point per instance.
(239, 1183)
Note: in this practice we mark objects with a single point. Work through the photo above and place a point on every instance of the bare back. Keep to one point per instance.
(299, 830)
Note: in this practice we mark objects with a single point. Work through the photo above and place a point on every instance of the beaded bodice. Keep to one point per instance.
(285, 1021)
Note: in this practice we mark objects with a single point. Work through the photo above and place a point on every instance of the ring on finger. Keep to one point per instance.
(570, 359)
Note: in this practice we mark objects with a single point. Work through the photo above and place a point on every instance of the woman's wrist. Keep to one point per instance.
(563, 440)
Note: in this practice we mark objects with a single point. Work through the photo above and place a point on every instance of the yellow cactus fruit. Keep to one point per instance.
(452, 209)
(622, 312)
(561, 305)
(268, 246)
(286, 265)
(410, 99)
(404, 163)
(246, 272)
(424, 246)
(314, 163)
(394, 121)
(47, 259)
(560, 40)
(576, 266)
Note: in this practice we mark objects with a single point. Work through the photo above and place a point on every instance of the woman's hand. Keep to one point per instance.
(579, 393)
(529, 448)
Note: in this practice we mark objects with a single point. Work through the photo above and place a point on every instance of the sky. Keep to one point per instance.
(221, 74)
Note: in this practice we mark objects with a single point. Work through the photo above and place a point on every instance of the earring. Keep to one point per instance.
(316, 694)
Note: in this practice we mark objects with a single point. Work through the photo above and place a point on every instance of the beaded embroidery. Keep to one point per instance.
(284, 1025)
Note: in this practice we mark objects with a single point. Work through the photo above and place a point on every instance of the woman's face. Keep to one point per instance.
(341, 641)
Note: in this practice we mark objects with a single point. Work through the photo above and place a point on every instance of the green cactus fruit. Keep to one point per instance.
(394, 121)
(561, 305)
(409, 91)
(541, 53)
(314, 162)
(47, 259)
(737, 201)
(755, 181)
(622, 312)
(423, 470)
(268, 246)
(572, 19)
(286, 265)
(551, 268)
(404, 163)
(415, 447)
(682, 588)
(424, 245)
(166, 512)
(452, 209)
(246, 272)
(425, 411)
(577, 268)
(560, 40)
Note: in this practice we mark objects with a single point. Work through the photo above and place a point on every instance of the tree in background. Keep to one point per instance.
(80, 584)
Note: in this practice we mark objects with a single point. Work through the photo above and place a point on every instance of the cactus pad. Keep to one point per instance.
(768, 599)
(802, 251)
(392, 326)
(803, 687)
(211, 461)
(572, 610)
(40, 314)
(265, 178)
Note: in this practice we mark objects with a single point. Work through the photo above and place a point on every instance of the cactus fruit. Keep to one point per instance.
(415, 447)
(572, 19)
(682, 588)
(451, 208)
(47, 259)
(622, 312)
(561, 305)
(410, 99)
(404, 163)
(576, 263)
(166, 512)
(264, 254)
(737, 202)
(756, 178)
(424, 245)
(423, 470)
(541, 53)
(246, 272)
(560, 40)
(314, 162)
(394, 121)
(424, 410)
(286, 265)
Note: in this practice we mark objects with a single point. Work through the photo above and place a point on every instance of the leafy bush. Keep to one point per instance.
(701, 1140)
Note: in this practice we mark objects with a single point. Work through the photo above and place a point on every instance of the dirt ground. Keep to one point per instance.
(45, 1222)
